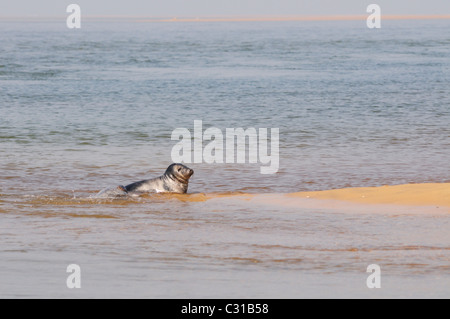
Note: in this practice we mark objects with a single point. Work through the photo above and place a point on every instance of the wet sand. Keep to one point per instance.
(435, 195)
(430, 197)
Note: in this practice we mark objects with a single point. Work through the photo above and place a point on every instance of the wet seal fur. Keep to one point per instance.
(174, 180)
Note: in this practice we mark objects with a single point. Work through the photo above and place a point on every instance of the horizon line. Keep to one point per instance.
(231, 18)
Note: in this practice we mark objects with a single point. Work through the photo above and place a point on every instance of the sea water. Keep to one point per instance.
(85, 109)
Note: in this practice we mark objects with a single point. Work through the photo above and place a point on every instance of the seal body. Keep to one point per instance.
(112, 192)
(174, 180)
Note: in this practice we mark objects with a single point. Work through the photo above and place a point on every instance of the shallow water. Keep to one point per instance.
(85, 110)
(163, 246)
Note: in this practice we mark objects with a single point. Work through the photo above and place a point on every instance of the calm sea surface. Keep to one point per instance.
(81, 110)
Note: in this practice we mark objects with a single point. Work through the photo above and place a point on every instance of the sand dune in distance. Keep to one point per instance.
(144, 19)
(291, 18)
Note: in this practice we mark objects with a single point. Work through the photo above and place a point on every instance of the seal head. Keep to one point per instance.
(179, 172)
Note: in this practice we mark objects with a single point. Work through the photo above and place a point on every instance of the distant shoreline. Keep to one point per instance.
(147, 19)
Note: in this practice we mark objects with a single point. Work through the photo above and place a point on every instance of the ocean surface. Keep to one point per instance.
(81, 110)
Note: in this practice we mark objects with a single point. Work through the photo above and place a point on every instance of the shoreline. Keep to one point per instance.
(239, 18)
(420, 198)
(433, 194)
(433, 197)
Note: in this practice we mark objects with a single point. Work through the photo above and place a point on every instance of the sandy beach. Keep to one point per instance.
(410, 194)
(431, 197)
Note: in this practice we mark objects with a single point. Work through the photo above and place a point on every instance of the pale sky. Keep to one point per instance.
(194, 8)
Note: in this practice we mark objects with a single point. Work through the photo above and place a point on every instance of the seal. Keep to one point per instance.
(174, 180)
